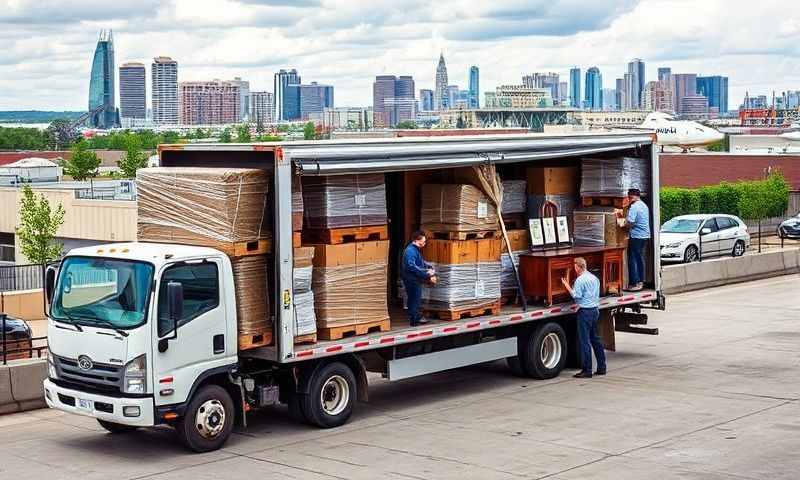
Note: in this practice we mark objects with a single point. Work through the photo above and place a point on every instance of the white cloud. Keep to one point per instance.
(47, 49)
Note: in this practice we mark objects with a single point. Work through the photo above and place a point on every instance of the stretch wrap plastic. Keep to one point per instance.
(305, 319)
(350, 294)
(455, 207)
(250, 280)
(514, 196)
(613, 176)
(344, 201)
(463, 285)
(508, 280)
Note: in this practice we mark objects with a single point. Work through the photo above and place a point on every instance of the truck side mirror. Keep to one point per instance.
(50, 275)
(174, 312)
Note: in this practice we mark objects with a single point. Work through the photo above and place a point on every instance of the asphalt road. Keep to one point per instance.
(715, 396)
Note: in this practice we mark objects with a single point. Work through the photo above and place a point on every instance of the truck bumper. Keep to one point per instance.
(111, 409)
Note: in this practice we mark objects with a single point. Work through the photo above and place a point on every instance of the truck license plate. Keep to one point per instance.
(84, 404)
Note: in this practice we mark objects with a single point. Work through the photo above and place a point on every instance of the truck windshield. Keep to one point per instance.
(102, 292)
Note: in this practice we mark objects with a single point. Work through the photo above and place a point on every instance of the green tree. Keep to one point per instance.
(82, 164)
(61, 134)
(309, 131)
(38, 224)
(406, 124)
(259, 126)
(134, 158)
(243, 134)
(718, 146)
(225, 136)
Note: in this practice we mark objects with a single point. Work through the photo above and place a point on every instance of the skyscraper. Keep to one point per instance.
(244, 89)
(209, 103)
(575, 87)
(620, 94)
(382, 88)
(283, 79)
(664, 74)
(262, 107)
(683, 85)
(594, 89)
(393, 100)
(426, 100)
(629, 92)
(164, 73)
(549, 81)
(716, 89)
(314, 99)
(132, 94)
(636, 71)
(609, 99)
(102, 95)
(440, 92)
(474, 87)
(452, 95)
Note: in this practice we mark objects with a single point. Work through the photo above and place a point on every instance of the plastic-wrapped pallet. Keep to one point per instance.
(305, 317)
(251, 290)
(344, 200)
(463, 285)
(508, 279)
(598, 226)
(612, 177)
(513, 196)
(454, 207)
(202, 206)
(297, 204)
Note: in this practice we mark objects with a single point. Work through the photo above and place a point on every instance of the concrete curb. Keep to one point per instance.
(21, 385)
(726, 271)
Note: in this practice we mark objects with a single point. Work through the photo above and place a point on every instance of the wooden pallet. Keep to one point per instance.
(254, 340)
(336, 236)
(516, 221)
(297, 239)
(492, 308)
(335, 333)
(617, 202)
(451, 235)
(303, 339)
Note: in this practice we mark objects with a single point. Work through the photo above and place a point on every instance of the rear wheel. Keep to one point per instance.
(208, 420)
(331, 395)
(691, 254)
(543, 353)
(116, 427)
(738, 248)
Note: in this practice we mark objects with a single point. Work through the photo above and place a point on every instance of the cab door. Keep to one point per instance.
(198, 344)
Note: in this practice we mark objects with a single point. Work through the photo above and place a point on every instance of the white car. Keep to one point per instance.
(683, 238)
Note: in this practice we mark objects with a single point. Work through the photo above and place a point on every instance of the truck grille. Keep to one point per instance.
(102, 377)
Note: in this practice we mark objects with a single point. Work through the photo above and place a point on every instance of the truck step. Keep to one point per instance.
(491, 308)
(248, 341)
(640, 330)
(617, 202)
(440, 232)
(336, 333)
(336, 236)
(305, 339)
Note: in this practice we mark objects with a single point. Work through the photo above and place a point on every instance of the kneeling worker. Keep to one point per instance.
(414, 272)
(586, 293)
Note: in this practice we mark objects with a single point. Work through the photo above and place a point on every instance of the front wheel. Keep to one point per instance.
(691, 254)
(542, 354)
(112, 427)
(331, 395)
(738, 248)
(208, 420)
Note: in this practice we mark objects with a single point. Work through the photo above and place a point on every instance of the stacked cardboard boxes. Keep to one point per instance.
(305, 319)
(557, 186)
(456, 208)
(518, 239)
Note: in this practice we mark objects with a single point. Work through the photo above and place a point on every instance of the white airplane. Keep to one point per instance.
(679, 133)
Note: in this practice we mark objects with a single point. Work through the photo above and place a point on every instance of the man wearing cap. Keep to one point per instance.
(638, 223)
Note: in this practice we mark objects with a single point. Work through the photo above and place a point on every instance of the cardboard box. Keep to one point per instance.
(598, 226)
(303, 257)
(462, 251)
(252, 305)
(553, 180)
(340, 201)
(456, 208)
(357, 253)
(519, 240)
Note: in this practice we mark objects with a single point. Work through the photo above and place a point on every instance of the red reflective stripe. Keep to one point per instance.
(647, 295)
(387, 340)
(473, 325)
(412, 335)
(516, 317)
(494, 322)
(305, 353)
(360, 344)
(626, 299)
(537, 314)
(449, 329)
(426, 333)
(334, 348)
(166, 380)
(555, 310)
(574, 308)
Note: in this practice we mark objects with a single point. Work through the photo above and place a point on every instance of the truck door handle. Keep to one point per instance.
(219, 343)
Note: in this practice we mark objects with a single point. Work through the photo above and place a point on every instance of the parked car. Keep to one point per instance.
(18, 335)
(790, 228)
(683, 238)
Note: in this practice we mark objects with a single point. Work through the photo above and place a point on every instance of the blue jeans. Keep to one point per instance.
(636, 260)
(413, 299)
(589, 340)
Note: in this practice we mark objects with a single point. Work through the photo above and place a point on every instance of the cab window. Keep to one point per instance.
(200, 292)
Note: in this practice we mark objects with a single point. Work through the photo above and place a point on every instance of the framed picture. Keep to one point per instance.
(537, 235)
(549, 227)
(562, 230)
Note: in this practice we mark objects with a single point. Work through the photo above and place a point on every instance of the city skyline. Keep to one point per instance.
(359, 42)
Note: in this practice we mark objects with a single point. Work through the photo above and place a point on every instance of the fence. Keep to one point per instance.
(21, 277)
(17, 341)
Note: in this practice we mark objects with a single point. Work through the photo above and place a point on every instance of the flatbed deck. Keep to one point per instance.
(401, 332)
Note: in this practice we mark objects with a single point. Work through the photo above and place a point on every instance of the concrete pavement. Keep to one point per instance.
(715, 396)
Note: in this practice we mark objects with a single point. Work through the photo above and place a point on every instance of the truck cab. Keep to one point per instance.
(136, 329)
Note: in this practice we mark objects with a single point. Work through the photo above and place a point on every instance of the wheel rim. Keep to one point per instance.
(738, 249)
(335, 395)
(691, 254)
(550, 352)
(210, 418)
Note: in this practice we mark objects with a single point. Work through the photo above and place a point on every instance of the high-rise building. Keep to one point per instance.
(283, 79)
(393, 100)
(209, 103)
(594, 89)
(314, 99)
(102, 96)
(609, 99)
(656, 97)
(620, 94)
(791, 99)
(452, 96)
(575, 87)
(382, 88)
(164, 91)
(426, 100)
(636, 71)
(664, 74)
(716, 89)
(694, 106)
(244, 89)
(629, 92)
(400, 109)
(683, 85)
(262, 107)
(291, 102)
(474, 87)
(132, 94)
(440, 91)
(563, 91)
(549, 81)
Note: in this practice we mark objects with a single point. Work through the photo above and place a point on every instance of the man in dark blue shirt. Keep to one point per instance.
(414, 271)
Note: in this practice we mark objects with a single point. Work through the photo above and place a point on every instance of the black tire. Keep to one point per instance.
(544, 363)
(295, 405)
(515, 365)
(116, 427)
(336, 383)
(214, 398)
(738, 248)
(691, 254)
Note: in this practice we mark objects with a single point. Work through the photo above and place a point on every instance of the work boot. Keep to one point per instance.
(600, 372)
(583, 374)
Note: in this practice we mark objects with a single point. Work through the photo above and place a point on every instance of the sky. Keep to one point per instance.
(46, 46)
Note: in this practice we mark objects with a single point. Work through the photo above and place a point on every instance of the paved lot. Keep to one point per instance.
(715, 396)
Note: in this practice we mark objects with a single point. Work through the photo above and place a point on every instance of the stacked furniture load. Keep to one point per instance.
(464, 250)
(345, 221)
(222, 208)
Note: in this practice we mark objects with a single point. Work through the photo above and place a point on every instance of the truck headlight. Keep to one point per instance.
(135, 379)
(51, 366)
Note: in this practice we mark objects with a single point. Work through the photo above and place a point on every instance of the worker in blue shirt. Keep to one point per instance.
(638, 223)
(586, 292)
(414, 272)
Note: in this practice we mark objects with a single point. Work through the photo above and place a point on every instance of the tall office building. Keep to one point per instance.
(694, 106)
(440, 91)
(683, 85)
(619, 94)
(563, 90)
(715, 88)
(549, 81)
(594, 89)
(575, 87)
(474, 87)
(656, 97)
(132, 94)
(284, 102)
(262, 107)
(314, 99)
(426, 100)
(636, 71)
(102, 96)
(164, 91)
(209, 103)
(664, 74)
(393, 100)
(629, 92)
(452, 95)
(609, 99)
(244, 89)
(382, 88)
